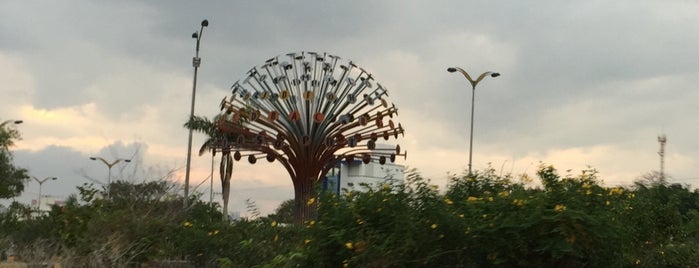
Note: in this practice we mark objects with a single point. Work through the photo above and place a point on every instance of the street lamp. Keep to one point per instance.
(16, 122)
(473, 93)
(109, 176)
(196, 61)
(41, 183)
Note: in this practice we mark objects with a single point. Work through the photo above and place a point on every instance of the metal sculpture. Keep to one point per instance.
(309, 111)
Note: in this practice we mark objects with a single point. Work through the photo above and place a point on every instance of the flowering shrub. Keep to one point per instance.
(479, 220)
(485, 220)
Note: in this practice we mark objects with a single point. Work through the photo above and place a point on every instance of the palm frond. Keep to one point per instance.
(205, 147)
(200, 124)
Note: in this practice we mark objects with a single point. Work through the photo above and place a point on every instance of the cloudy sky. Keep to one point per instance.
(590, 83)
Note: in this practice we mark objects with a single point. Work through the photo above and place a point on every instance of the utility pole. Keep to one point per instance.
(662, 140)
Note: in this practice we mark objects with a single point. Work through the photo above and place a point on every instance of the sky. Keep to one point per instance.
(583, 84)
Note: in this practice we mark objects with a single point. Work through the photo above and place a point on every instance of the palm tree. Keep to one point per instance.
(216, 142)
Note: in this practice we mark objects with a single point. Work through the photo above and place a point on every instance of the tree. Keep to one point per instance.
(284, 212)
(651, 178)
(216, 141)
(12, 178)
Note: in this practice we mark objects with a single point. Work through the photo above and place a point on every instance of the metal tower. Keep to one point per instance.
(662, 140)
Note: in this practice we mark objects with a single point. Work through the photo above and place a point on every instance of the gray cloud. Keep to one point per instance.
(574, 75)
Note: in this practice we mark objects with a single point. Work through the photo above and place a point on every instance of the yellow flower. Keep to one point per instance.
(461, 216)
(276, 237)
(311, 201)
(485, 216)
(386, 186)
(187, 224)
(274, 223)
(588, 192)
(434, 226)
(607, 202)
(472, 199)
(518, 202)
(560, 208)
(448, 201)
(349, 245)
(637, 262)
(215, 232)
(441, 236)
(586, 185)
(305, 242)
(504, 194)
(490, 198)
(616, 191)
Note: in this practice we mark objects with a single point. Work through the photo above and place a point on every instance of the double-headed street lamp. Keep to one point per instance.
(109, 175)
(196, 61)
(473, 93)
(41, 183)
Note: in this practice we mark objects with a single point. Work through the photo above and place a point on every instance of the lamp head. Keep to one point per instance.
(127, 160)
(17, 122)
(204, 23)
(195, 35)
(54, 178)
(93, 158)
(451, 69)
(494, 74)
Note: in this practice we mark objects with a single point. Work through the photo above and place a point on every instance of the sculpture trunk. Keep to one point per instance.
(306, 200)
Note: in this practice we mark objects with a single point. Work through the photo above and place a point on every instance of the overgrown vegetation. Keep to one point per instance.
(12, 178)
(484, 220)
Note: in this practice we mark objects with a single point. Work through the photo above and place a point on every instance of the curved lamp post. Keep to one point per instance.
(41, 182)
(473, 93)
(196, 61)
(16, 122)
(109, 175)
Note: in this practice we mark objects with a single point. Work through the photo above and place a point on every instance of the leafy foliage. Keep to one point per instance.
(479, 220)
(12, 178)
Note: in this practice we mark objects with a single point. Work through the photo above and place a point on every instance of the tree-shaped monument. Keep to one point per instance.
(309, 111)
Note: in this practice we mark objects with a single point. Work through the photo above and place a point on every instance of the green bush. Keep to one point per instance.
(479, 220)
